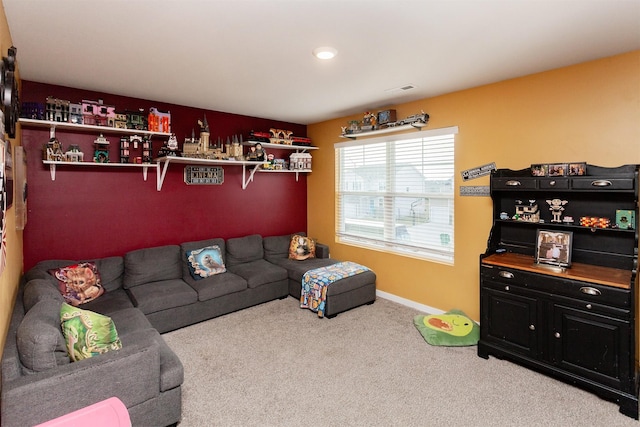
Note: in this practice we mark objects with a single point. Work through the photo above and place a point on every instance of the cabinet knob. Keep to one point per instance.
(513, 183)
(506, 274)
(532, 327)
(590, 291)
(552, 183)
(506, 288)
(557, 335)
(589, 306)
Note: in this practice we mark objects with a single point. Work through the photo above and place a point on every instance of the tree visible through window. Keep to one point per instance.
(396, 193)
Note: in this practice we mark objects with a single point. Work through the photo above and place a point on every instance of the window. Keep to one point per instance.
(395, 193)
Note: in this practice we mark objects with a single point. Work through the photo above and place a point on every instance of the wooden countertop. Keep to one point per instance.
(584, 272)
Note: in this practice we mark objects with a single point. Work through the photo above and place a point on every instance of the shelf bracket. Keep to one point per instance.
(245, 180)
(52, 171)
(160, 176)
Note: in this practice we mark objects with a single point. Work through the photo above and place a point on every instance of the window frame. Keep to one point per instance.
(389, 241)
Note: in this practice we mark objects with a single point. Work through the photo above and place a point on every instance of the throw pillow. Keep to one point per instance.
(205, 262)
(301, 248)
(86, 333)
(79, 283)
(452, 328)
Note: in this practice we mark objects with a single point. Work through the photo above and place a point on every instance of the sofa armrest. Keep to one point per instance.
(132, 374)
(322, 250)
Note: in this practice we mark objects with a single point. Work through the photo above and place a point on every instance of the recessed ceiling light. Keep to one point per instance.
(324, 52)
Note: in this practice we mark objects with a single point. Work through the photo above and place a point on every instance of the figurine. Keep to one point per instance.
(556, 208)
(101, 150)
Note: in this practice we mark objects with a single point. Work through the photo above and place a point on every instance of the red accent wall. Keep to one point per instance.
(89, 212)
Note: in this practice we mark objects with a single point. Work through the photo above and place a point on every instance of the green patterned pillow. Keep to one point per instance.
(86, 333)
(452, 328)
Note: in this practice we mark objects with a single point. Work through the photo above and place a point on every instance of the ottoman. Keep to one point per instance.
(350, 292)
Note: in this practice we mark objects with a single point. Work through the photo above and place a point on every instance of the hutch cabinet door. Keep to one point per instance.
(509, 321)
(591, 345)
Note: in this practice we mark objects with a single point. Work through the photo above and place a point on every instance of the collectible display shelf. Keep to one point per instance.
(298, 148)
(414, 125)
(85, 128)
(52, 126)
(52, 166)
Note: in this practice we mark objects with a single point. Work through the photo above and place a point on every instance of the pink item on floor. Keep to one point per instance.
(108, 413)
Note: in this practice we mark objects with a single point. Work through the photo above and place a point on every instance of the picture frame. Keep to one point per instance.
(557, 169)
(577, 169)
(554, 248)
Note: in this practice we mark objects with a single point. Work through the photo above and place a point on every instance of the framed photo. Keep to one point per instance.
(554, 247)
(578, 168)
(558, 169)
(539, 170)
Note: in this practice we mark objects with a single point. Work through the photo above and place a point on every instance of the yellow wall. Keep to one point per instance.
(588, 112)
(11, 274)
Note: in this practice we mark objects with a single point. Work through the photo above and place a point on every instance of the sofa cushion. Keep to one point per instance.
(302, 248)
(296, 269)
(111, 301)
(162, 295)
(259, 272)
(241, 250)
(152, 265)
(111, 272)
(278, 246)
(205, 262)
(79, 283)
(41, 269)
(218, 285)
(40, 343)
(87, 333)
(129, 321)
(38, 289)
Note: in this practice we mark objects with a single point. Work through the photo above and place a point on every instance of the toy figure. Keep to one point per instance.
(556, 208)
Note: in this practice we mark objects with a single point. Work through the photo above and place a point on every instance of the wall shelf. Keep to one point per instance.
(414, 125)
(85, 128)
(297, 148)
(247, 167)
(53, 165)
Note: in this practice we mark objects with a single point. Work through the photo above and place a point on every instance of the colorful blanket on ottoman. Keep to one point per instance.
(316, 281)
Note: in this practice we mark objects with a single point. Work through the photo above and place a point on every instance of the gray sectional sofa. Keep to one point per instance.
(148, 292)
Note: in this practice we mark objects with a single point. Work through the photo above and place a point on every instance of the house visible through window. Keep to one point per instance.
(395, 193)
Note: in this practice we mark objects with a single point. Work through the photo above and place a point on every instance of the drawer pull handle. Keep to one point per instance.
(513, 183)
(601, 183)
(590, 291)
(506, 274)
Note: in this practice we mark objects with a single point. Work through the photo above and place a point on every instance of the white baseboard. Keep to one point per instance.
(409, 303)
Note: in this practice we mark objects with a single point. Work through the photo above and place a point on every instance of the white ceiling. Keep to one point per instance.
(253, 57)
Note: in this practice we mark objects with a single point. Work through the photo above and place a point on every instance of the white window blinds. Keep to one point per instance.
(395, 193)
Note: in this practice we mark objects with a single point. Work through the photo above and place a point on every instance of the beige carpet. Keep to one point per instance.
(279, 365)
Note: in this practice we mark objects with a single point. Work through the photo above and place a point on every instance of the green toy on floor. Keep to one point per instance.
(452, 328)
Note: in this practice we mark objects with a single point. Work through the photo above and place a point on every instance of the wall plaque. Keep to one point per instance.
(203, 175)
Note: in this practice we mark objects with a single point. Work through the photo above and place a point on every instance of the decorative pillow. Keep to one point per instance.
(301, 248)
(452, 328)
(86, 333)
(205, 262)
(79, 283)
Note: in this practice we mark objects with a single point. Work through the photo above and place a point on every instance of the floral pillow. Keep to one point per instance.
(86, 333)
(79, 283)
(205, 262)
(301, 248)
